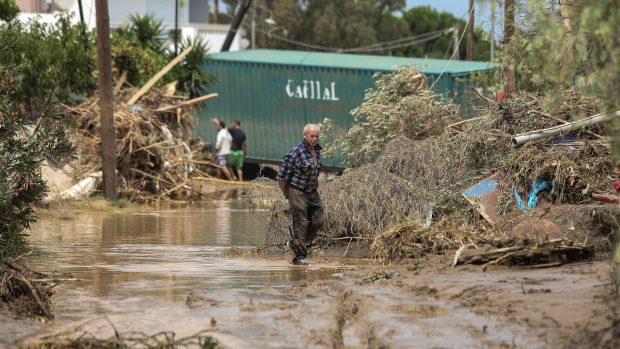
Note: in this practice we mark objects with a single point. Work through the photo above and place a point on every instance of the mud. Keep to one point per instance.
(167, 270)
(425, 305)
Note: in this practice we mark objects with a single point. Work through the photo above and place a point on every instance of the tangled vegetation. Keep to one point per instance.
(399, 105)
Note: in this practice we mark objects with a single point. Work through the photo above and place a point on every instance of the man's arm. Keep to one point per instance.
(244, 147)
(284, 187)
(215, 121)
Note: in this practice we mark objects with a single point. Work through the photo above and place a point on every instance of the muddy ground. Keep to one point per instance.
(418, 303)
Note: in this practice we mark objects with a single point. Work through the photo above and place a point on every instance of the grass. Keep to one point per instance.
(70, 209)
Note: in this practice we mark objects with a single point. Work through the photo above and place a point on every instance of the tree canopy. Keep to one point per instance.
(357, 26)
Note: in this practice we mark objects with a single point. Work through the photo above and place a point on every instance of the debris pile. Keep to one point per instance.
(87, 340)
(473, 175)
(155, 149)
(25, 293)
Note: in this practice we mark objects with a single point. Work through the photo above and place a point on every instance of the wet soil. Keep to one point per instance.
(167, 270)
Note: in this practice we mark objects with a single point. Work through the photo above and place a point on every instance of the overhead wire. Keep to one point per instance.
(458, 44)
(382, 46)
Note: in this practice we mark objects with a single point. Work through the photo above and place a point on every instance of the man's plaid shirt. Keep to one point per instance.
(298, 169)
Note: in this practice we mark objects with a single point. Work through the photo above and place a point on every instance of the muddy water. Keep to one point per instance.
(138, 268)
(168, 270)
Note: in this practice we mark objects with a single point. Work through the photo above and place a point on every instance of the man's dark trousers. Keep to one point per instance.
(307, 210)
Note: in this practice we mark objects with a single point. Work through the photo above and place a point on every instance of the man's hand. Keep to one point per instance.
(284, 188)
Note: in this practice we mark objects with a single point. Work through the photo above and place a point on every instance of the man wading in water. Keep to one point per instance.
(298, 180)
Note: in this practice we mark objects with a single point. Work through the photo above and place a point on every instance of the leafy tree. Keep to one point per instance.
(24, 143)
(8, 10)
(147, 30)
(424, 19)
(192, 77)
(56, 62)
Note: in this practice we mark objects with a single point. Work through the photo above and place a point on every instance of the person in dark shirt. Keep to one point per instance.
(238, 149)
(298, 180)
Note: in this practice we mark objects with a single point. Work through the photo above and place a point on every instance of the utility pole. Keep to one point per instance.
(176, 27)
(509, 62)
(254, 28)
(263, 17)
(216, 11)
(492, 31)
(469, 50)
(236, 22)
(106, 109)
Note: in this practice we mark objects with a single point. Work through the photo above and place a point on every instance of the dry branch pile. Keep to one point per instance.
(154, 146)
(85, 340)
(25, 293)
(417, 181)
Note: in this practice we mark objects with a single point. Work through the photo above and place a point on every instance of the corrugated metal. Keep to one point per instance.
(275, 93)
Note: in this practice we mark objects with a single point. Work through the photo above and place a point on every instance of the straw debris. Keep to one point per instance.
(155, 149)
(24, 292)
(86, 340)
(400, 202)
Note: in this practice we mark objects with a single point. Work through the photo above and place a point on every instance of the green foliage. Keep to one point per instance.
(140, 63)
(424, 19)
(138, 48)
(147, 30)
(8, 10)
(57, 62)
(355, 24)
(24, 144)
(399, 105)
(588, 57)
(192, 78)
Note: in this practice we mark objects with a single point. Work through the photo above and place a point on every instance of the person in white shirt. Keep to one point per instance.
(222, 144)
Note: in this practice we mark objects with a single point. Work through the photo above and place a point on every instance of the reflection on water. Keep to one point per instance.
(131, 260)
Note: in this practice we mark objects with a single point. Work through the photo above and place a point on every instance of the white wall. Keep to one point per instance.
(213, 34)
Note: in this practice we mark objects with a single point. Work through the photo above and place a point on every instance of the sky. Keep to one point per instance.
(458, 8)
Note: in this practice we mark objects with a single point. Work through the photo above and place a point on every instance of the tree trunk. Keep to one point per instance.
(566, 10)
(108, 135)
(509, 62)
(263, 17)
(469, 53)
(216, 11)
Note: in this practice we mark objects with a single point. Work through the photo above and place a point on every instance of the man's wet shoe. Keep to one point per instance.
(299, 261)
(297, 247)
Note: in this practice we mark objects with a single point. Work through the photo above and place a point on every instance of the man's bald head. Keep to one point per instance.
(311, 135)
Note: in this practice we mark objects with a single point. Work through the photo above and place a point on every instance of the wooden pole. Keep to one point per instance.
(106, 109)
(509, 66)
(216, 11)
(158, 76)
(176, 27)
(469, 53)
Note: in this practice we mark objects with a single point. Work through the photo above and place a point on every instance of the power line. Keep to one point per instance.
(458, 44)
(382, 46)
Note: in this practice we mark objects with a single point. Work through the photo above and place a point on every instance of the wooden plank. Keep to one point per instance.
(158, 76)
(193, 101)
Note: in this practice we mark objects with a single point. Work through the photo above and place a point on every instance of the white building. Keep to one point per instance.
(193, 17)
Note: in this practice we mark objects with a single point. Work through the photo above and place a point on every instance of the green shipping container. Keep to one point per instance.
(274, 93)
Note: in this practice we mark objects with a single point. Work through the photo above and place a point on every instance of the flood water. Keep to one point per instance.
(138, 268)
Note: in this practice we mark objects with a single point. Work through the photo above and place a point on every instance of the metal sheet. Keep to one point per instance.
(484, 196)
